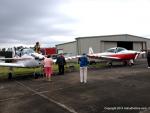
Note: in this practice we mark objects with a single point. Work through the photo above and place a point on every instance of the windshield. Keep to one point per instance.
(115, 50)
(27, 51)
(119, 49)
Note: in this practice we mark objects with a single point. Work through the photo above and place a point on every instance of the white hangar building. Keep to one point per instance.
(102, 43)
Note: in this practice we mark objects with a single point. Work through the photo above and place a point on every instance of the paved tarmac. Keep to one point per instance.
(109, 90)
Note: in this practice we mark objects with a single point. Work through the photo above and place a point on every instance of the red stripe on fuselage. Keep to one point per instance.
(125, 56)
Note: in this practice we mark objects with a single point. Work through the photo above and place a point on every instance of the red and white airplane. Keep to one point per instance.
(116, 54)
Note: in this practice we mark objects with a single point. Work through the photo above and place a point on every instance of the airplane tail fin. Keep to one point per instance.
(90, 50)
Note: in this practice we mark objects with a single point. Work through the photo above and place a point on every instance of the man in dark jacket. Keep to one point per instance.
(61, 62)
(147, 51)
(148, 58)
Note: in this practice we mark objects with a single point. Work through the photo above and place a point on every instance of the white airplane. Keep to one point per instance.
(26, 58)
(116, 54)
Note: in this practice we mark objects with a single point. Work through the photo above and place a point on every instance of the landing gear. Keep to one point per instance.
(9, 76)
(129, 62)
(35, 75)
(10, 73)
(109, 64)
(125, 63)
(38, 74)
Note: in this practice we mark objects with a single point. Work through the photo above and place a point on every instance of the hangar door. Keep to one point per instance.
(127, 45)
(108, 45)
(138, 46)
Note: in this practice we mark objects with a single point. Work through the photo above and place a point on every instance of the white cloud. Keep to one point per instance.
(62, 38)
(98, 17)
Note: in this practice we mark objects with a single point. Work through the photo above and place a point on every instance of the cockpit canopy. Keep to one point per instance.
(116, 50)
(27, 51)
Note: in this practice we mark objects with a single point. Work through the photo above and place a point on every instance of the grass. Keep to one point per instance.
(17, 71)
(29, 71)
(72, 66)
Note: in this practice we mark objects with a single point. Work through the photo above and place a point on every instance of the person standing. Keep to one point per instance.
(37, 47)
(148, 58)
(147, 51)
(83, 61)
(61, 63)
(48, 62)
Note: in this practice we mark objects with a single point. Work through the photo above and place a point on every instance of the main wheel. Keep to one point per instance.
(9, 75)
(125, 63)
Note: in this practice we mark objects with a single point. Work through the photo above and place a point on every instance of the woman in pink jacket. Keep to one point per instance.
(48, 63)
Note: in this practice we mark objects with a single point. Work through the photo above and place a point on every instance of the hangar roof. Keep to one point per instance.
(65, 43)
(102, 36)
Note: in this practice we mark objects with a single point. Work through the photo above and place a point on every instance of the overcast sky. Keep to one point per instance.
(23, 22)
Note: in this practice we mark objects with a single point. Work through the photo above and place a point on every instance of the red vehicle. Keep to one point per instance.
(49, 51)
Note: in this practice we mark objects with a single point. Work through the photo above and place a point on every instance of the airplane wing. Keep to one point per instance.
(69, 58)
(103, 57)
(3, 59)
(11, 64)
(14, 59)
(72, 57)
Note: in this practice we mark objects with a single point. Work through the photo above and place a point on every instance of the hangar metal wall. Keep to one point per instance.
(138, 46)
(69, 47)
(101, 43)
(83, 45)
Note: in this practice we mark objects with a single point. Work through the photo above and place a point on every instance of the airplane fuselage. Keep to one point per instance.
(123, 55)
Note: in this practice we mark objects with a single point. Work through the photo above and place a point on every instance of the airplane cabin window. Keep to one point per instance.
(120, 49)
(111, 50)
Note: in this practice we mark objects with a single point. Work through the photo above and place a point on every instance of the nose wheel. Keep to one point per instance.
(109, 64)
(131, 62)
